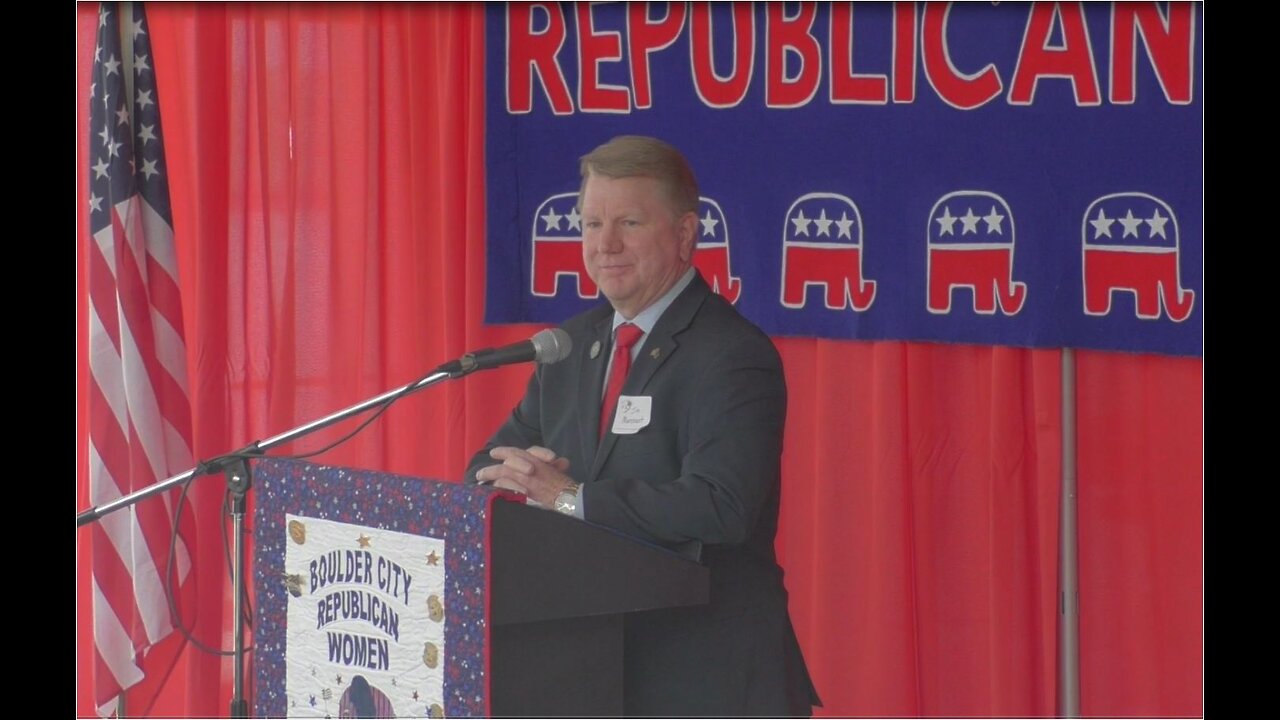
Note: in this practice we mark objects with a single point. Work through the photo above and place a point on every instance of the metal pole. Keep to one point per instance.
(1068, 575)
(258, 448)
(238, 480)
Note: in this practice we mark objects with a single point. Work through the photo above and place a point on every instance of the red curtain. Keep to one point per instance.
(328, 197)
(1141, 450)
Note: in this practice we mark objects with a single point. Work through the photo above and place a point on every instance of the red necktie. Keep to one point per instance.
(626, 336)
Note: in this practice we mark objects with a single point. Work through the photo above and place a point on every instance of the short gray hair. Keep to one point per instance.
(640, 156)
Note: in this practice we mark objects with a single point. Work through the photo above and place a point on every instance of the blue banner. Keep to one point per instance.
(1016, 173)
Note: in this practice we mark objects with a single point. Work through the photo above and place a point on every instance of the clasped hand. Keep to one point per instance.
(535, 472)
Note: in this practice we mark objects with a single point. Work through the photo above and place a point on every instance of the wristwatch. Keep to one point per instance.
(567, 501)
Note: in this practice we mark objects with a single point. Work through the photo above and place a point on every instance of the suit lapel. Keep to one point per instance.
(658, 347)
(592, 385)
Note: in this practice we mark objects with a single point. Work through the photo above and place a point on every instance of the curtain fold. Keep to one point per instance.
(328, 200)
(920, 525)
(1141, 449)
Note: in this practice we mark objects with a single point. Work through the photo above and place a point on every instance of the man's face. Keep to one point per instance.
(634, 245)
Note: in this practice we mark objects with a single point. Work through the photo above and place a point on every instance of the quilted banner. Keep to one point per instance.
(371, 594)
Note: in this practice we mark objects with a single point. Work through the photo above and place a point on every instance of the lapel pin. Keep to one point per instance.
(595, 349)
(657, 353)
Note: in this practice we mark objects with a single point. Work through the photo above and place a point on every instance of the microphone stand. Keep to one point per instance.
(235, 467)
(258, 448)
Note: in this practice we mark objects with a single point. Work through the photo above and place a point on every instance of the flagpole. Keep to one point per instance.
(1068, 569)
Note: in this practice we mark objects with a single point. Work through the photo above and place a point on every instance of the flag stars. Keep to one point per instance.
(102, 18)
(709, 224)
(149, 168)
(994, 220)
(1102, 225)
(801, 222)
(1130, 224)
(946, 223)
(105, 135)
(575, 220)
(95, 202)
(147, 133)
(101, 169)
(843, 226)
(969, 221)
(823, 224)
(144, 99)
(112, 66)
(140, 64)
(1156, 224)
(122, 116)
(113, 149)
(552, 219)
(137, 28)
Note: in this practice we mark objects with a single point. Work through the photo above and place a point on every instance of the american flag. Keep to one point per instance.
(139, 413)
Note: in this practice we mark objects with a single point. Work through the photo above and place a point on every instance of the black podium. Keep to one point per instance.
(558, 592)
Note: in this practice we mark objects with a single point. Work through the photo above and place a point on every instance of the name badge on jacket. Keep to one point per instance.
(633, 414)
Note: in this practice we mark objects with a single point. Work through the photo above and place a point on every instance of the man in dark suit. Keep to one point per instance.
(666, 423)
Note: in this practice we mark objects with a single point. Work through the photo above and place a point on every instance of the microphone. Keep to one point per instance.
(545, 347)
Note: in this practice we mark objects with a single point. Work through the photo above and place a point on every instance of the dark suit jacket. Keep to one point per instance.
(705, 469)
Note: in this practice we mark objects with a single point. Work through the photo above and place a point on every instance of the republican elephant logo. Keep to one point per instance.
(712, 255)
(1130, 244)
(557, 248)
(970, 245)
(822, 244)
